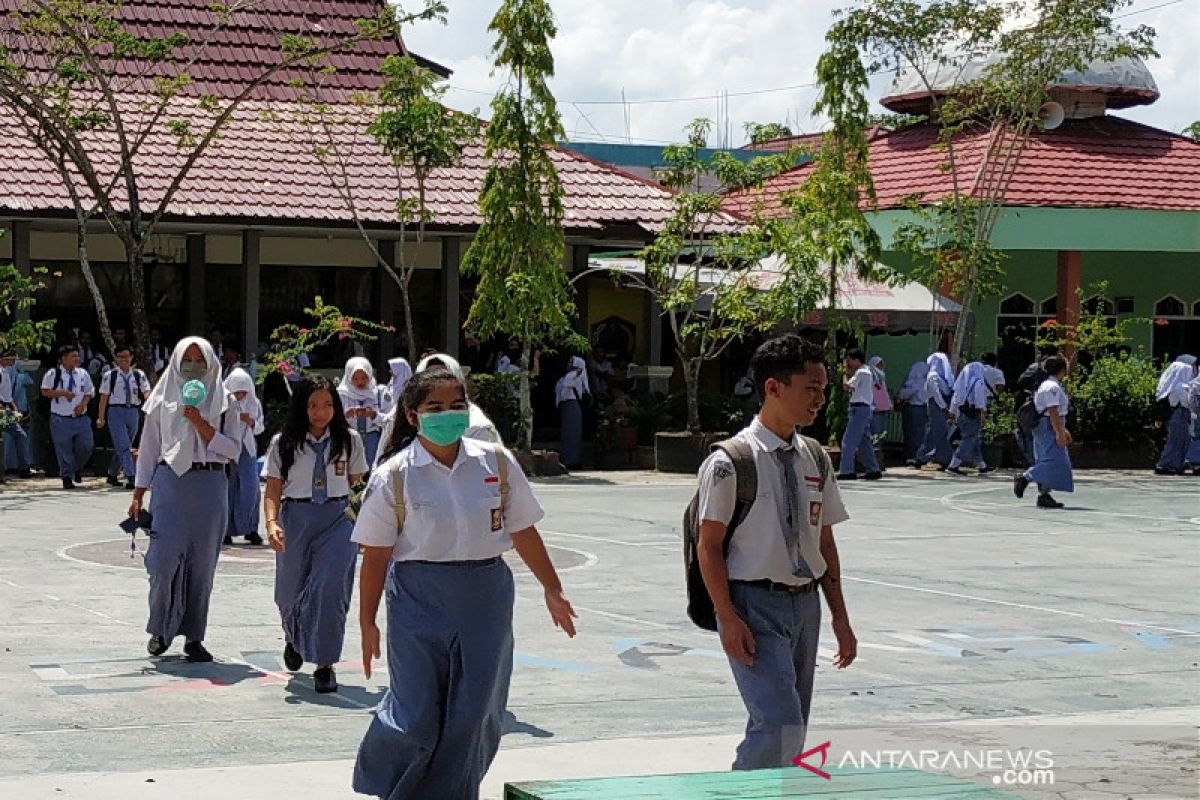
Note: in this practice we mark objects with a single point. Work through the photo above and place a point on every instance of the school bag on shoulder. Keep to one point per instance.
(699, 603)
(398, 483)
(112, 380)
(45, 403)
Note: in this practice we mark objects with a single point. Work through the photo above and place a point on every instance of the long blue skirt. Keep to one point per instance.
(1179, 435)
(314, 578)
(936, 447)
(1052, 466)
(570, 414)
(1193, 454)
(915, 417)
(970, 447)
(190, 514)
(244, 496)
(371, 445)
(449, 653)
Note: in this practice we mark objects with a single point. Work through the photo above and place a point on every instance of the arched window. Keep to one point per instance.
(1099, 305)
(1049, 306)
(1016, 304)
(1170, 306)
(1196, 309)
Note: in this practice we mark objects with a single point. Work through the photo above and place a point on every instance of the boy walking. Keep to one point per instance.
(69, 390)
(764, 591)
(857, 440)
(123, 389)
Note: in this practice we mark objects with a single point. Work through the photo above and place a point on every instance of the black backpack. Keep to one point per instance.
(699, 603)
(137, 379)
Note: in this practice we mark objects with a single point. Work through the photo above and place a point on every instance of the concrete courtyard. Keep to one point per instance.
(984, 624)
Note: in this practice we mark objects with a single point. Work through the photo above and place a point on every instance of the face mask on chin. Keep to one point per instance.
(444, 428)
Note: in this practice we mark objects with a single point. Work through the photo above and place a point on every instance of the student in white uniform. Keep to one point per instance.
(183, 461)
(312, 465)
(359, 394)
(18, 451)
(435, 522)
(69, 389)
(881, 399)
(857, 441)
(939, 388)
(245, 494)
(123, 391)
(913, 400)
(569, 392)
(968, 407)
(1174, 397)
(1051, 469)
(763, 581)
(400, 372)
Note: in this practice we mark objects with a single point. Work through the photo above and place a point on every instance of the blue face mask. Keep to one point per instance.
(444, 428)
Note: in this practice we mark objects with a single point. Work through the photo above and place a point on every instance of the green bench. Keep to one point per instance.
(769, 784)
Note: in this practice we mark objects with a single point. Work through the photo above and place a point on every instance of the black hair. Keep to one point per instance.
(415, 393)
(857, 354)
(1047, 349)
(781, 358)
(122, 348)
(294, 436)
(989, 359)
(1054, 364)
(67, 349)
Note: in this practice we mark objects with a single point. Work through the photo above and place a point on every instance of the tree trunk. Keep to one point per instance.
(406, 303)
(965, 319)
(526, 400)
(691, 379)
(89, 278)
(141, 321)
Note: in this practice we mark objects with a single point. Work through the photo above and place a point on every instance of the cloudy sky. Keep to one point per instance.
(674, 59)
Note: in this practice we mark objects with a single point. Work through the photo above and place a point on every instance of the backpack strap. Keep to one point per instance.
(398, 492)
(819, 457)
(746, 475)
(502, 471)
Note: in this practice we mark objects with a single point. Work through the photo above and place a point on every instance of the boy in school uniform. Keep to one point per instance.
(123, 390)
(18, 454)
(69, 389)
(764, 591)
(857, 441)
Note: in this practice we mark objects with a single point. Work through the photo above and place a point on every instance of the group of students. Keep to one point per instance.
(1177, 399)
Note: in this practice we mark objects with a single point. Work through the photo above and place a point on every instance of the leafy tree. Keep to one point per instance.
(326, 324)
(17, 293)
(523, 291)
(935, 41)
(94, 94)
(1193, 131)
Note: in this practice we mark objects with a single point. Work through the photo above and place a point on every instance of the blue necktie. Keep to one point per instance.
(320, 486)
(71, 381)
(362, 421)
(793, 520)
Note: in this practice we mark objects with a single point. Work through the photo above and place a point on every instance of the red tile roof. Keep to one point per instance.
(1103, 162)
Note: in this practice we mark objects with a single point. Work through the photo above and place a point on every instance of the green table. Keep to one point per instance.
(769, 784)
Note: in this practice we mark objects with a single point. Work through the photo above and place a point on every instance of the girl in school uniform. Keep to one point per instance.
(968, 406)
(183, 461)
(939, 387)
(434, 524)
(360, 398)
(399, 371)
(1193, 456)
(312, 465)
(1051, 469)
(568, 396)
(881, 400)
(1174, 393)
(913, 400)
(245, 497)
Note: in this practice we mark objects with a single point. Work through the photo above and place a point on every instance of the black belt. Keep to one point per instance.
(202, 466)
(860, 404)
(310, 500)
(122, 405)
(774, 586)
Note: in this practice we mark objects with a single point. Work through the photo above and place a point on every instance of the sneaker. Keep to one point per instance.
(79, 477)
(1046, 501)
(254, 538)
(196, 653)
(986, 470)
(873, 476)
(111, 480)
(67, 485)
(956, 471)
(1161, 471)
(324, 680)
(849, 476)
(156, 646)
(291, 659)
(1020, 484)
(129, 486)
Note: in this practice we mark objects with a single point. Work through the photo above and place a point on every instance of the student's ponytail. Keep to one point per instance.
(404, 433)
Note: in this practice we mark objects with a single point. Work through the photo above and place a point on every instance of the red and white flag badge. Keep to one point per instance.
(812, 480)
(491, 480)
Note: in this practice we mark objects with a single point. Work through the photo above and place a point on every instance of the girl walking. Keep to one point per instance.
(1051, 469)
(436, 519)
(245, 494)
(311, 466)
(361, 399)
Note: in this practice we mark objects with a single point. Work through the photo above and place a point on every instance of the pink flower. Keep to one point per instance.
(346, 323)
(1160, 321)
(1050, 323)
(305, 330)
(342, 336)
(286, 368)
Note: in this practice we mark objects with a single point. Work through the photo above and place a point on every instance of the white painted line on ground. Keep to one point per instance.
(588, 537)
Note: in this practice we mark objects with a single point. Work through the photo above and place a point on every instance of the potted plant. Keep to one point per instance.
(999, 422)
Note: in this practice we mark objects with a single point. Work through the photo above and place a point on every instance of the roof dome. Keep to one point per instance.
(1116, 83)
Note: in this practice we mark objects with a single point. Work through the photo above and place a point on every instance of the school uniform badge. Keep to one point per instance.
(814, 513)
(339, 469)
(497, 519)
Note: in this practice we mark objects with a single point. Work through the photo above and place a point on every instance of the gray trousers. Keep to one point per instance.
(122, 427)
(73, 443)
(777, 689)
(857, 440)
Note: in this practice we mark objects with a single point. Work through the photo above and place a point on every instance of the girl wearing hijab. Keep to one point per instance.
(968, 405)
(880, 398)
(939, 387)
(1193, 457)
(312, 465)
(183, 462)
(568, 396)
(359, 394)
(244, 493)
(1051, 469)
(913, 399)
(1173, 393)
(401, 372)
(433, 526)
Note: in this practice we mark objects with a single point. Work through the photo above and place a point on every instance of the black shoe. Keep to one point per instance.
(986, 470)
(129, 486)
(291, 659)
(873, 476)
(253, 538)
(1046, 501)
(943, 467)
(28, 473)
(919, 464)
(1161, 471)
(227, 540)
(955, 471)
(79, 477)
(912, 462)
(157, 645)
(324, 681)
(849, 476)
(1020, 484)
(67, 484)
(196, 653)
(111, 480)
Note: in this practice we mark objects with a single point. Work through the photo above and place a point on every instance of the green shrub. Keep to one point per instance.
(498, 395)
(1114, 400)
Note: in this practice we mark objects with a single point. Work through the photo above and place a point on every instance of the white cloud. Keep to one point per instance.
(657, 49)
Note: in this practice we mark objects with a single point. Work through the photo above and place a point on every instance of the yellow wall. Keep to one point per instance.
(606, 300)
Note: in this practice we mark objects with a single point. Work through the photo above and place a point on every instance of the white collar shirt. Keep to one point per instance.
(249, 442)
(1051, 394)
(758, 549)
(6, 388)
(451, 513)
(862, 386)
(298, 484)
(124, 388)
(364, 424)
(994, 376)
(224, 447)
(76, 380)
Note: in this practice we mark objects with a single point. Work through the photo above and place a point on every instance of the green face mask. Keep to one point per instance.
(193, 370)
(444, 427)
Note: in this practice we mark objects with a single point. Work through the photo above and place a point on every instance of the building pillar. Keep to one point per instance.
(451, 261)
(251, 292)
(21, 257)
(1070, 268)
(654, 337)
(387, 295)
(579, 265)
(194, 295)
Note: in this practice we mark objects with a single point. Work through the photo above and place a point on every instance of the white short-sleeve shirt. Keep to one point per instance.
(862, 386)
(83, 388)
(451, 513)
(298, 484)
(1051, 394)
(758, 549)
(126, 387)
(6, 388)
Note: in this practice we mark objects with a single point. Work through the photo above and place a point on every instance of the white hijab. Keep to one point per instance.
(402, 372)
(877, 375)
(970, 388)
(939, 364)
(179, 438)
(449, 362)
(1175, 378)
(479, 419)
(577, 362)
(240, 381)
(348, 390)
(917, 374)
